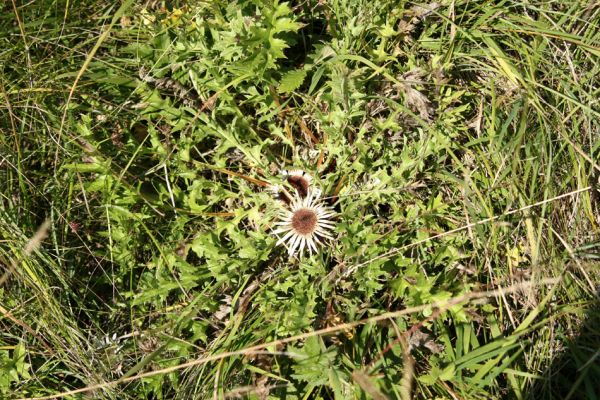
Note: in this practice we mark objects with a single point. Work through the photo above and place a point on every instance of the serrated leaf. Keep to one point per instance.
(286, 24)
(387, 31)
(86, 167)
(292, 80)
(448, 373)
(314, 361)
(248, 252)
(277, 48)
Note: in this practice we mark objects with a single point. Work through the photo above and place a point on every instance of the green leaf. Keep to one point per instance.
(314, 361)
(286, 24)
(292, 80)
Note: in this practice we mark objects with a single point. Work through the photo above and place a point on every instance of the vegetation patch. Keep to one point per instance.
(306, 199)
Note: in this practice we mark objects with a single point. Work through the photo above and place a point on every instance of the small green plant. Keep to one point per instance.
(13, 368)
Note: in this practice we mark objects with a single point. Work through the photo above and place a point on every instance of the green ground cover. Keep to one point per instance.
(457, 141)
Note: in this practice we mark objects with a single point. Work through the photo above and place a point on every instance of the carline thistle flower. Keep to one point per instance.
(305, 225)
(299, 180)
(306, 222)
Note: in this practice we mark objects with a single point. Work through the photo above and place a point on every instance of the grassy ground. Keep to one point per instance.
(458, 142)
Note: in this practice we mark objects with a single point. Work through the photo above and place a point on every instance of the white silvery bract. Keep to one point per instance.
(306, 224)
(274, 189)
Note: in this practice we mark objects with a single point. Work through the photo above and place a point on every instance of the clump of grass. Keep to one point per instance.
(456, 142)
